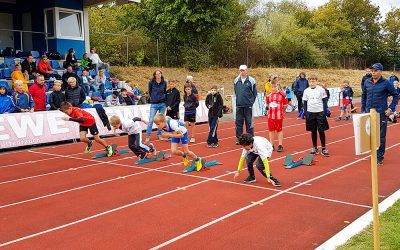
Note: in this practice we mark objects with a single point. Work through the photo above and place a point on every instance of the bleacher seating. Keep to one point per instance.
(108, 85)
(7, 73)
(35, 54)
(55, 64)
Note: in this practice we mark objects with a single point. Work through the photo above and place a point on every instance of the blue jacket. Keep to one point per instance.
(377, 95)
(245, 92)
(393, 78)
(158, 92)
(23, 100)
(6, 104)
(300, 85)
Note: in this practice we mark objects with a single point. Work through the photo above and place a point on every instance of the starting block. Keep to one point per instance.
(115, 152)
(161, 156)
(307, 160)
(205, 164)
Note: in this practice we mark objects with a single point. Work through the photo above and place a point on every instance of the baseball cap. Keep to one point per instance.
(377, 66)
(242, 67)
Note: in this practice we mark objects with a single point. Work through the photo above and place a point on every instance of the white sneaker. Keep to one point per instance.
(192, 139)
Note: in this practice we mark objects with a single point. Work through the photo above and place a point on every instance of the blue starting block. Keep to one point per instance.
(160, 157)
(206, 165)
(115, 152)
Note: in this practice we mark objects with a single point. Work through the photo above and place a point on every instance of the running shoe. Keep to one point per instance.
(109, 150)
(250, 179)
(88, 147)
(324, 152)
(274, 181)
(314, 151)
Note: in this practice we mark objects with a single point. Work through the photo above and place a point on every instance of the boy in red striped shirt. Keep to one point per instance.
(86, 122)
(276, 101)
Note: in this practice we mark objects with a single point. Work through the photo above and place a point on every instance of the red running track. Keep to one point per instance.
(59, 198)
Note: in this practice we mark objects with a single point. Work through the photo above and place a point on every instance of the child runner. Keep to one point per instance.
(173, 100)
(315, 106)
(190, 104)
(214, 104)
(86, 122)
(134, 130)
(289, 93)
(346, 95)
(276, 101)
(177, 131)
(253, 148)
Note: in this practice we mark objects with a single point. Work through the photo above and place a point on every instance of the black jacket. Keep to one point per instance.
(56, 98)
(216, 103)
(190, 102)
(76, 96)
(29, 67)
(173, 98)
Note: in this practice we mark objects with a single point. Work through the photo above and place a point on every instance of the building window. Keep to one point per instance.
(70, 24)
(64, 23)
(50, 22)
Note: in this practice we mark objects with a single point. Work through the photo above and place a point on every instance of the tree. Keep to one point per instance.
(391, 33)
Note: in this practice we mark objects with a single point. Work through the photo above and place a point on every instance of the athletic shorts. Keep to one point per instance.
(189, 117)
(316, 121)
(343, 107)
(173, 114)
(93, 129)
(184, 139)
(289, 99)
(275, 125)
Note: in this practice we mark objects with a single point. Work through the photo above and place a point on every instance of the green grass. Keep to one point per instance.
(389, 232)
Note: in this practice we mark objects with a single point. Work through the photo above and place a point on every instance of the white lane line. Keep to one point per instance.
(252, 205)
(121, 146)
(358, 225)
(98, 161)
(125, 165)
(172, 191)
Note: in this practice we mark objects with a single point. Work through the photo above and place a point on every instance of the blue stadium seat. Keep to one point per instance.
(107, 93)
(48, 98)
(35, 54)
(107, 74)
(96, 94)
(93, 73)
(55, 64)
(9, 61)
(108, 85)
(7, 73)
(1, 73)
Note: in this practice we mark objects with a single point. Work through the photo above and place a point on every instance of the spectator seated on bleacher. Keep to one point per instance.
(99, 82)
(86, 62)
(38, 93)
(18, 75)
(74, 94)
(45, 68)
(87, 82)
(6, 103)
(70, 73)
(71, 59)
(29, 66)
(126, 99)
(57, 96)
(112, 100)
(97, 61)
(22, 99)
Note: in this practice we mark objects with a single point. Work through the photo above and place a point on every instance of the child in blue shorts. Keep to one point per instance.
(177, 131)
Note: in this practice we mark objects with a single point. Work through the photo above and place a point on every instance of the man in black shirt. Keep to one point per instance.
(29, 66)
(126, 99)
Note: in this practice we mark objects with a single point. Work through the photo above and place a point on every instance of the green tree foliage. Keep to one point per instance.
(391, 34)
(198, 34)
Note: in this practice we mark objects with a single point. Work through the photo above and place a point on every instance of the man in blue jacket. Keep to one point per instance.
(246, 94)
(377, 89)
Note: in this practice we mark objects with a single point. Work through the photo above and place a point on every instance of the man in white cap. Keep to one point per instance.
(377, 89)
(246, 94)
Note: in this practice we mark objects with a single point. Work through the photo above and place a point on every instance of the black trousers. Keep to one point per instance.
(212, 135)
(136, 145)
(250, 159)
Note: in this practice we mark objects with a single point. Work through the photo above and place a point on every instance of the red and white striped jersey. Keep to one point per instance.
(275, 102)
